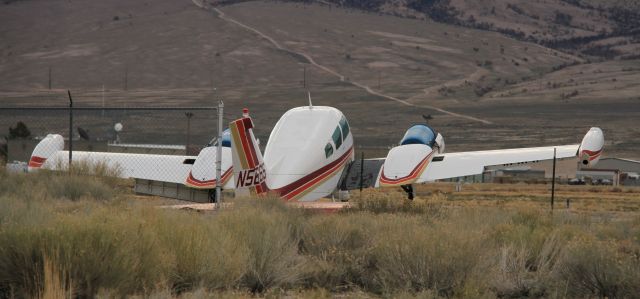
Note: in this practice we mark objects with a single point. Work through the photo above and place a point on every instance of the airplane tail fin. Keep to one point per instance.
(44, 150)
(248, 167)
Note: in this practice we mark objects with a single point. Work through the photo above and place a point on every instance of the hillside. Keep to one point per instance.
(383, 71)
(593, 28)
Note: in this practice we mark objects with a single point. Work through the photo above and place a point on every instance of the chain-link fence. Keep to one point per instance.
(154, 145)
(150, 130)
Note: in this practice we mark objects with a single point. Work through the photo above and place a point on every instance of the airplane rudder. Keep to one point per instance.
(248, 166)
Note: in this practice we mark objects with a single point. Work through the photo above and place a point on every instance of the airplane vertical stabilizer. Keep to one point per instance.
(249, 172)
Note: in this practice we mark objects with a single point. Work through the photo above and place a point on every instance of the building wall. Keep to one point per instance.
(597, 174)
(622, 165)
(565, 168)
(159, 150)
(630, 182)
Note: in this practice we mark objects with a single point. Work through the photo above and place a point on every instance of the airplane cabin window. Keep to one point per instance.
(345, 127)
(337, 137)
(328, 149)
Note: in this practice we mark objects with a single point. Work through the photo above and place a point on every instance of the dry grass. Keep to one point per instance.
(587, 200)
(56, 283)
(433, 247)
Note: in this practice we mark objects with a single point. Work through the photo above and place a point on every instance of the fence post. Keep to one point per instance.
(189, 115)
(553, 179)
(70, 129)
(361, 171)
(219, 156)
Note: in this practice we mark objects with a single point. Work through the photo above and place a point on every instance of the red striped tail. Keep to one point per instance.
(248, 167)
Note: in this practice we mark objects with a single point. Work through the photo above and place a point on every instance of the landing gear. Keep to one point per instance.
(409, 190)
(212, 195)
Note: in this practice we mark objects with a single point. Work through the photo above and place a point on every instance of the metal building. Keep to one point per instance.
(624, 165)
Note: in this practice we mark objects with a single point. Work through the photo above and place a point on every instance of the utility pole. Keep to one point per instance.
(189, 115)
(102, 100)
(378, 79)
(304, 76)
(219, 157)
(70, 129)
(553, 179)
(361, 172)
(211, 78)
(126, 75)
(49, 78)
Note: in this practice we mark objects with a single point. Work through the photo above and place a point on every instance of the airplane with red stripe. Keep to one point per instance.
(310, 155)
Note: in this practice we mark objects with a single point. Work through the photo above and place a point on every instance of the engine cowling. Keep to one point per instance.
(591, 148)
(423, 134)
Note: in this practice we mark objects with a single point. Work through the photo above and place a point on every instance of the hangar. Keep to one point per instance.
(628, 170)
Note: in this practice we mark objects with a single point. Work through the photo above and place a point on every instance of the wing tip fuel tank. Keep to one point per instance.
(591, 147)
(46, 148)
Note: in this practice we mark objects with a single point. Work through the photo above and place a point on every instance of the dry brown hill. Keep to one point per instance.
(484, 89)
(589, 27)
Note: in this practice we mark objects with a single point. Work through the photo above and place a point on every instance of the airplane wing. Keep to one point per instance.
(366, 173)
(453, 165)
(194, 171)
(421, 162)
(163, 168)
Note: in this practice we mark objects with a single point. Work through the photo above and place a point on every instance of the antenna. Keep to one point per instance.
(310, 104)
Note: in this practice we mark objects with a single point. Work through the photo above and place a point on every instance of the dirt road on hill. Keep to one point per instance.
(340, 76)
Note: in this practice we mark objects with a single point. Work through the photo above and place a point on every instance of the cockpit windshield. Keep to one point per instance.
(419, 134)
(226, 138)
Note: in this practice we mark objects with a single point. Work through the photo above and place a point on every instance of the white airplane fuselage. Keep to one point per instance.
(307, 152)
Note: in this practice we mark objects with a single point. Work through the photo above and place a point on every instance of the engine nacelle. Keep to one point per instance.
(591, 147)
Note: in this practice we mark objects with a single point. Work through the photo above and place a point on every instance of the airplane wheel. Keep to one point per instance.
(409, 190)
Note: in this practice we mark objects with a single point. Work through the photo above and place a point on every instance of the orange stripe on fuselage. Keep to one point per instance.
(314, 182)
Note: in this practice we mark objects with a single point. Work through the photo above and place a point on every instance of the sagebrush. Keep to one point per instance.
(97, 240)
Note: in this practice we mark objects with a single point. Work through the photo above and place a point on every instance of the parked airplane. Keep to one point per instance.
(307, 154)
